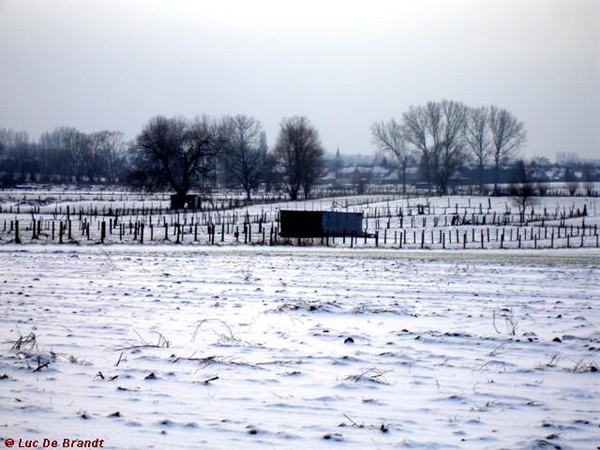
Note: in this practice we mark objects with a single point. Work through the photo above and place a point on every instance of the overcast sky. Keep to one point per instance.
(113, 64)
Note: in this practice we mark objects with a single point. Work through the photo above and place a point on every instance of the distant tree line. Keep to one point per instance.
(64, 155)
(448, 141)
(440, 136)
(172, 153)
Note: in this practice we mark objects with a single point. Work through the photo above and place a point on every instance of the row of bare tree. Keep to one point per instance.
(62, 155)
(183, 153)
(232, 151)
(174, 152)
(440, 135)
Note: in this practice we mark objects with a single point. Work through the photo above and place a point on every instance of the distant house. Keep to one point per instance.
(337, 162)
(376, 172)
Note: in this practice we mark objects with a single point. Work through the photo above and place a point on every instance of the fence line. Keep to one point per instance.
(409, 223)
(160, 229)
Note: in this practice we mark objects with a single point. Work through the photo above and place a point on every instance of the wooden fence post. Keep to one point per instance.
(17, 237)
(102, 231)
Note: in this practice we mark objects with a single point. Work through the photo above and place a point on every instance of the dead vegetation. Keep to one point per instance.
(205, 361)
(553, 361)
(25, 344)
(222, 329)
(101, 376)
(308, 305)
(161, 342)
(584, 366)
(510, 321)
(372, 375)
(383, 427)
(26, 348)
(247, 273)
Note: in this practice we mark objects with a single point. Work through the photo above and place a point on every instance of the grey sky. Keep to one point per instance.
(113, 64)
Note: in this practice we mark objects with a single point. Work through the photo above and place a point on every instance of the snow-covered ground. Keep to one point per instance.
(162, 346)
(450, 222)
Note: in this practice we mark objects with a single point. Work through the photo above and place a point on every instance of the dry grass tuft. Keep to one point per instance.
(25, 344)
(371, 375)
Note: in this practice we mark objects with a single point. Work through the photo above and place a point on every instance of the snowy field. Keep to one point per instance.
(162, 346)
(449, 222)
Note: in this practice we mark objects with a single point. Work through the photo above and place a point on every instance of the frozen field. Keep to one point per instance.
(258, 347)
(450, 222)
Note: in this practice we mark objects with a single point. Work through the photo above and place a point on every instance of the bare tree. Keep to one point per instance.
(437, 130)
(478, 139)
(508, 136)
(389, 138)
(245, 152)
(10, 138)
(25, 155)
(54, 155)
(271, 175)
(588, 171)
(538, 166)
(63, 154)
(571, 181)
(67, 153)
(570, 162)
(567, 159)
(76, 147)
(454, 116)
(108, 155)
(17, 155)
(177, 152)
(522, 188)
(300, 153)
(415, 130)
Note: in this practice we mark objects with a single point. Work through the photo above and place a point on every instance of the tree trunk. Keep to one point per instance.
(496, 168)
(481, 176)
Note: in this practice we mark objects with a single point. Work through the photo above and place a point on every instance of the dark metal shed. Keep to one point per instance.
(305, 224)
